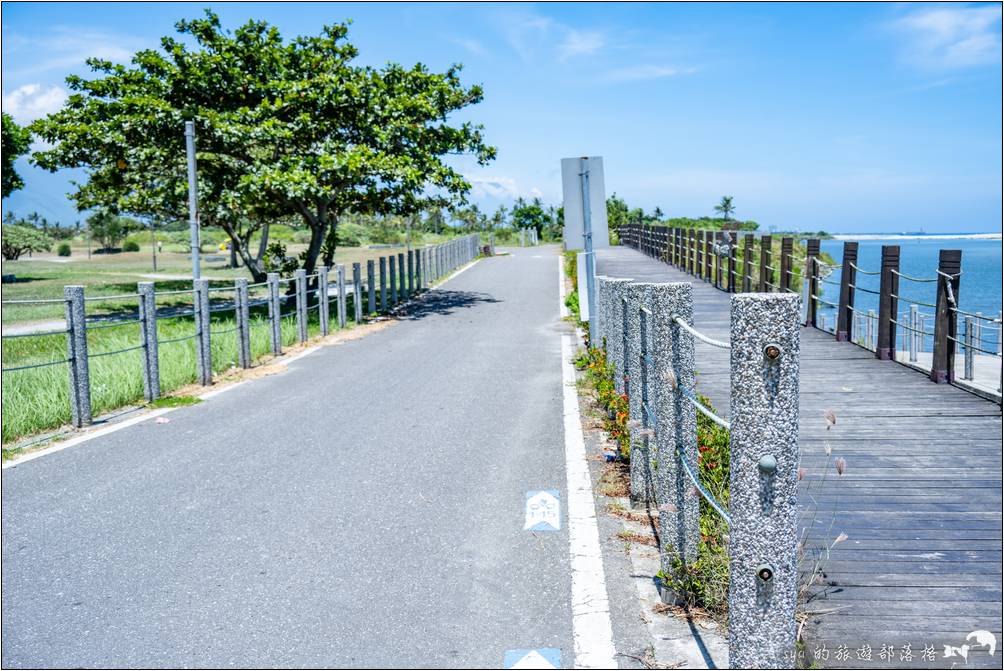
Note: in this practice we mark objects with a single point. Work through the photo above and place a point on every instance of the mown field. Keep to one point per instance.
(36, 400)
(44, 276)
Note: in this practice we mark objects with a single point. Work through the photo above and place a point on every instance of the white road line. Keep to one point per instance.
(91, 434)
(591, 629)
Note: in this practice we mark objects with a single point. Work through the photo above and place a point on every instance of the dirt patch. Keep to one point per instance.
(615, 481)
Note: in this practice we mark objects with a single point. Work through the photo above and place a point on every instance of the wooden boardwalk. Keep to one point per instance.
(919, 501)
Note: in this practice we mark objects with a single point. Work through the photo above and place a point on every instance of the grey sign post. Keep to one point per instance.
(148, 333)
(587, 237)
(763, 536)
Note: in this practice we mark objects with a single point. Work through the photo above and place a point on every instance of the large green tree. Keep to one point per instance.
(531, 214)
(18, 238)
(16, 141)
(284, 127)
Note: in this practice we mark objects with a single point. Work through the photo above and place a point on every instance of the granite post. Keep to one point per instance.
(763, 480)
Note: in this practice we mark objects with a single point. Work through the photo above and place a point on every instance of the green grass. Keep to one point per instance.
(44, 276)
(37, 400)
(174, 401)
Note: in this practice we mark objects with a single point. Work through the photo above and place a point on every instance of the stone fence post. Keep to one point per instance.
(148, 333)
(392, 276)
(204, 352)
(76, 352)
(274, 312)
(635, 322)
(370, 287)
(300, 278)
(618, 333)
(675, 421)
(410, 288)
(402, 270)
(340, 279)
(763, 481)
(357, 292)
(323, 305)
(242, 313)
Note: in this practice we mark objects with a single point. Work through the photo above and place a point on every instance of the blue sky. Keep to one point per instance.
(848, 118)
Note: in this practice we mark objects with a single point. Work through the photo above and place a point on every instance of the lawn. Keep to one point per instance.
(44, 276)
(37, 399)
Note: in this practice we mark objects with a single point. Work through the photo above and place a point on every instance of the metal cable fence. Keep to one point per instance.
(114, 358)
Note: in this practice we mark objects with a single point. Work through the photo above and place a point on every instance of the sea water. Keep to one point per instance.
(979, 290)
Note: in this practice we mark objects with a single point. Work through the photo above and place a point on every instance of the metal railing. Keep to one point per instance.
(303, 293)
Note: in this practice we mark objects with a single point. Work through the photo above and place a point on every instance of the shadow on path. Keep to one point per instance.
(445, 302)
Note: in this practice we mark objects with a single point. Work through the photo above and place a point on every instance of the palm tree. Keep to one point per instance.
(725, 207)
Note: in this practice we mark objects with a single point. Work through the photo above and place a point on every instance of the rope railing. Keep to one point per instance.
(703, 409)
(865, 272)
(914, 279)
(705, 494)
(667, 417)
(697, 334)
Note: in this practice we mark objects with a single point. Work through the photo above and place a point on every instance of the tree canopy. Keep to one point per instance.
(284, 128)
(18, 238)
(16, 141)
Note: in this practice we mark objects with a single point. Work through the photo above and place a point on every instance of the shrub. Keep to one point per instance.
(130, 246)
(63, 249)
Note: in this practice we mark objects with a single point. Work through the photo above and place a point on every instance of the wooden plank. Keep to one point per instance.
(921, 495)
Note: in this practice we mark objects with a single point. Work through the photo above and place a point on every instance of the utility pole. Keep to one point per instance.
(193, 212)
(153, 244)
(587, 238)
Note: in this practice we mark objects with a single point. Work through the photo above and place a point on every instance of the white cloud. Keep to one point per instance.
(500, 188)
(952, 37)
(472, 46)
(33, 101)
(636, 73)
(580, 43)
(64, 48)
